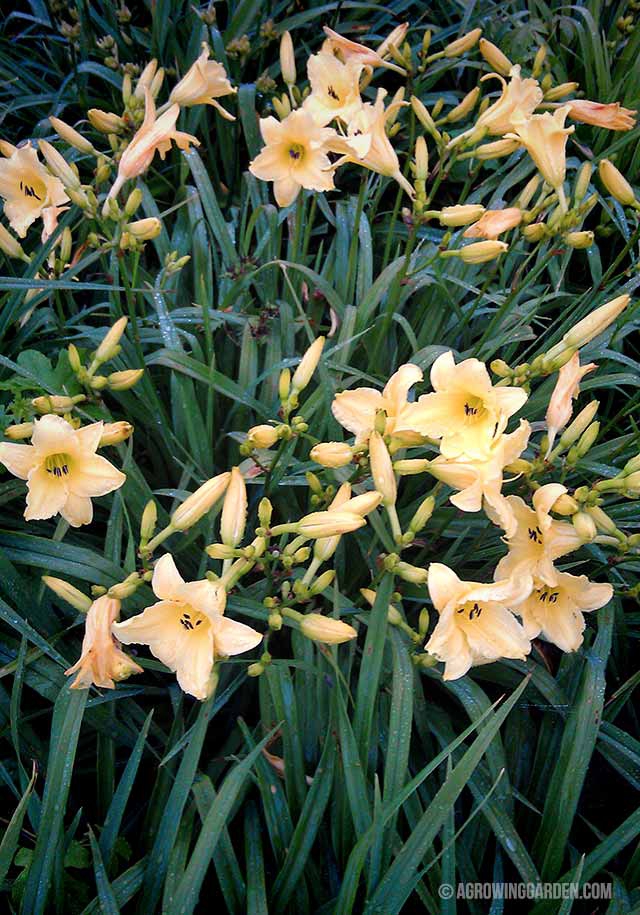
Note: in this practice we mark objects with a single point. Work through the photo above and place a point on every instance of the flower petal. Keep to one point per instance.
(45, 496)
(88, 437)
(18, 459)
(77, 510)
(207, 596)
(53, 435)
(356, 410)
(444, 585)
(93, 475)
(231, 637)
(167, 582)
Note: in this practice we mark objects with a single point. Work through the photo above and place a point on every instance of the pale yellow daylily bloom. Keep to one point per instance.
(545, 138)
(351, 50)
(62, 470)
(204, 82)
(335, 88)
(154, 135)
(476, 624)
(555, 613)
(356, 409)
(518, 100)
(538, 540)
(28, 189)
(186, 629)
(494, 222)
(612, 115)
(367, 144)
(101, 661)
(566, 390)
(50, 216)
(479, 482)
(465, 411)
(294, 156)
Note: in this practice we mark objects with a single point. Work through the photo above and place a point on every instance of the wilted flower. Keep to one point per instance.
(28, 189)
(350, 50)
(612, 116)
(545, 138)
(335, 91)
(555, 613)
(493, 223)
(295, 156)
(566, 390)
(204, 82)
(186, 629)
(62, 470)
(476, 624)
(356, 409)
(101, 661)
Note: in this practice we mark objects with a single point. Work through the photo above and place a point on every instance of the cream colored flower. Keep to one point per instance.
(29, 190)
(101, 661)
(155, 135)
(494, 222)
(537, 540)
(480, 481)
(465, 411)
(62, 470)
(556, 612)
(519, 99)
(335, 88)
(348, 50)
(476, 623)
(295, 156)
(204, 82)
(356, 409)
(367, 144)
(612, 116)
(186, 629)
(566, 390)
(545, 138)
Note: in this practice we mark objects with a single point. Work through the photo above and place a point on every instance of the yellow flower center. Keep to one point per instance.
(191, 619)
(33, 188)
(473, 407)
(471, 610)
(331, 92)
(58, 465)
(535, 535)
(296, 152)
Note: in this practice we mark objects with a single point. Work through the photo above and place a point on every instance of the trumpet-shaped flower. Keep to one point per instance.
(517, 102)
(556, 612)
(186, 629)
(465, 411)
(101, 661)
(62, 470)
(612, 116)
(480, 481)
(545, 138)
(295, 156)
(476, 624)
(493, 223)
(335, 89)
(204, 82)
(356, 409)
(566, 390)
(154, 135)
(28, 189)
(367, 143)
(348, 50)
(537, 540)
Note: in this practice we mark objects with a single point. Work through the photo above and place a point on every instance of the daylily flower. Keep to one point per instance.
(154, 135)
(556, 612)
(480, 482)
(101, 661)
(204, 82)
(335, 91)
(186, 629)
(28, 189)
(62, 470)
(295, 156)
(476, 624)
(367, 143)
(545, 138)
(537, 540)
(566, 390)
(519, 99)
(350, 50)
(356, 409)
(465, 411)
(50, 217)
(612, 116)
(494, 222)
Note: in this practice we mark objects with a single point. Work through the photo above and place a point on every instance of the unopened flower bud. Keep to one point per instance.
(422, 515)
(221, 551)
(284, 384)
(538, 60)
(565, 505)
(56, 404)
(19, 431)
(582, 182)
(68, 593)
(11, 246)
(325, 629)
(616, 183)
(479, 252)
(234, 510)
(114, 433)
(200, 502)
(148, 521)
(109, 347)
(265, 510)
(421, 156)
(424, 117)
(363, 504)
(287, 59)
(146, 77)
(322, 583)
(411, 573)
(460, 215)
(382, 469)
(263, 436)
(496, 149)
(602, 521)
(465, 43)
(281, 106)
(467, 104)
(72, 137)
(585, 526)
(329, 524)
(125, 588)
(560, 91)
(500, 368)
(587, 439)
(632, 465)
(632, 483)
(593, 325)
(145, 229)
(59, 166)
(528, 192)
(495, 58)
(122, 381)
(105, 121)
(331, 454)
(579, 239)
(534, 232)
(308, 364)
